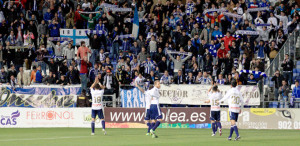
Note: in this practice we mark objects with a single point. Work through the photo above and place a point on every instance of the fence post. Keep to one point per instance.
(114, 100)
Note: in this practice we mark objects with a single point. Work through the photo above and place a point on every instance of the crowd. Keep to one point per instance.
(196, 42)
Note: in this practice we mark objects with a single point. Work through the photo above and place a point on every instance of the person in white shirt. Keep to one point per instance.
(147, 109)
(282, 17)
(235, 102)
(166, 78)
(214, 96)
(97, 92)
(140, 80)
(155, 112)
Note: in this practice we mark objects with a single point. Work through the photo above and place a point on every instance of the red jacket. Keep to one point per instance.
(84, 67)
(222, 53)
(77, 16)
(228, 42)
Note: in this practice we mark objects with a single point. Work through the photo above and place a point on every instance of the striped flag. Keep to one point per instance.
(135, 26)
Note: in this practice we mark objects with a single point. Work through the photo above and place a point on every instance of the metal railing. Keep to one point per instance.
(289, 47)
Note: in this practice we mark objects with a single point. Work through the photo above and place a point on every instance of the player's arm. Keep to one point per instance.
(241, 102)
(140, 88)
(225, 98)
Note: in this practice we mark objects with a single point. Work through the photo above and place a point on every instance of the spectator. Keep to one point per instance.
(13, 82)
(82, 100)
(221, 80)
(121, 76)
(33, 75)
(205, 79)
(53, 65)
(62, 81)
(3, 76)
(178, 62)
(95, 45)
(90, 19)
(54, 28)
(84, 65)
(148, 65)
(69, 54)
(72, 75)
(50, 79)
(190, 79)
(287, 67)
(110, 82)
(38, 75)
(23, 78)
(166, 78)
(2, 52)
(296, 94)
(179, 79)
(284, 97)
(82, 51)
(277, 78)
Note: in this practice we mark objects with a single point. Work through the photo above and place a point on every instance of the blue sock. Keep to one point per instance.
(213, 127)
(219, 125)
(152, 125)
(103, 124)
(149, 127)
(93, 126)
(236, 130)
(231, 131)
(156, 125)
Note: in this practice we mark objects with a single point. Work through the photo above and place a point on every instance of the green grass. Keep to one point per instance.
(169, 137)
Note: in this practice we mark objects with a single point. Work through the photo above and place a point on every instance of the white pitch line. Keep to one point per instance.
(45, 138)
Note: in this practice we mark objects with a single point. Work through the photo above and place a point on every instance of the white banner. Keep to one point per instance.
(197, 94)
(46, 117)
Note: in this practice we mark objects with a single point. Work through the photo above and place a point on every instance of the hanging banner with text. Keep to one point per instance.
(39, 96)
(187, 94)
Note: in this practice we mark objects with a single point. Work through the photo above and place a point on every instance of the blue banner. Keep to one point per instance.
(132, 98)
(39, 97)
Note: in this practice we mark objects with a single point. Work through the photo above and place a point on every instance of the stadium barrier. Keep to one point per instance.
(250, 118)
(186, 95)
(39, 96)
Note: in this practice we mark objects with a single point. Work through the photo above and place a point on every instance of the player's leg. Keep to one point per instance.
(158, 117)
(233, 123)
(213, 127)
(101, 117)
(213, 124)
(93, 121)
(147, 121)
(218, 123)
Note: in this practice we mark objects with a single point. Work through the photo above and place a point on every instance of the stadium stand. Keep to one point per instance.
(201, 42)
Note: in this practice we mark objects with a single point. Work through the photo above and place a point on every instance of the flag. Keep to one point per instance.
(135, 26)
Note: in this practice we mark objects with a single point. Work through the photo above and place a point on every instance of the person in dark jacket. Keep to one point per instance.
(162, 65)
(179, 79)
(82, 100)
(95, 46)
(3, 76)
(277, 78)
(62, 81)
(287, 67)
(73, 75)
(183, 40)
(50, 79)
(53, 65)
(234, 50)
(19, 59)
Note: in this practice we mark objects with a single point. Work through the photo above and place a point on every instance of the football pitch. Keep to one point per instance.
(170, 137)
